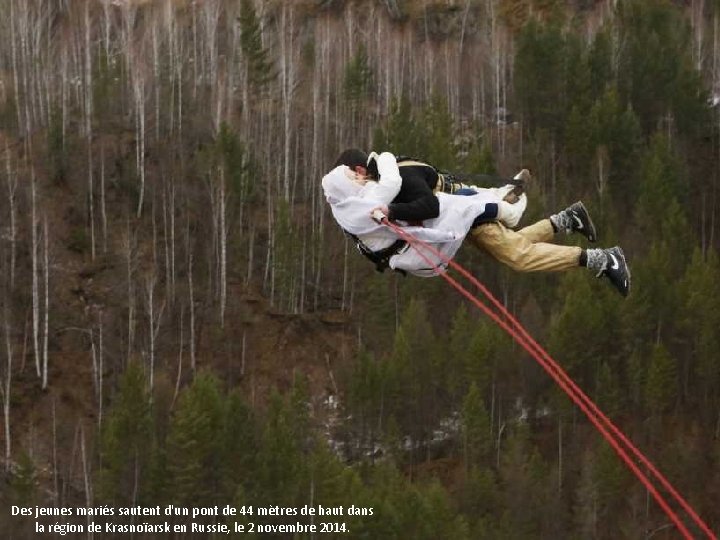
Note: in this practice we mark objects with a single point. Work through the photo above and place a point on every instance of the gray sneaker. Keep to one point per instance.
(580, 221)
(616, 269)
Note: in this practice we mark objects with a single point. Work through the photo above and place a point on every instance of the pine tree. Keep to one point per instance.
(242, 500)
(489, 348)
(22, 490)
(437, 134)
(281, 473)
(401, 133)
(455, 374)
(477, 442)
(286, 256)
(408, 510)
(655, 68)
(24, 482)
(540, 78)
(438, 516)
(259, 66)
(237, 165)
(699, 321)
(241, 442)
(364, 397)
(617, 130)
(579, 148)
(612, 480)
(196, 461)
(479, 500)
(661, 385)
(661, 217)
(413, 367)
(586, 503)
(577, 74)
(582, 337)
(664, 189)
(358, 79)
(334, 484)
(600, 63)
(126, 438)
(529, 495)
(378, 318)
(479, 158)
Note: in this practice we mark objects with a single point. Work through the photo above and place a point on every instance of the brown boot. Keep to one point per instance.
(521, 179)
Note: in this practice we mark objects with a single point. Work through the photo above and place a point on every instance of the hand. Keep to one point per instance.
(379, 213)
(372, 165)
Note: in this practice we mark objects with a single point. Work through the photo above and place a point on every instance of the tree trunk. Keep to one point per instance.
(6, 392)
(87, 483)
(222, 229)
(100, 369)
(103, 214)
(46, 272)
(12, 187)
(35, 284)
(130, 291)
(192, 304)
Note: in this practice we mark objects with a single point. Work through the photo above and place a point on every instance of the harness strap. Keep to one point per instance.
(381, 257)
(450, 182)
(445, 182)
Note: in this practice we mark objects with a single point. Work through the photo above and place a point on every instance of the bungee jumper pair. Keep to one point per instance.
(415, 194)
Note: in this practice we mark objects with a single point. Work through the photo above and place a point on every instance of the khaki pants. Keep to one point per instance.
(526, 250)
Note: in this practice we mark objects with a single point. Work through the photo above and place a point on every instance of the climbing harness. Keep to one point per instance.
(381, 257)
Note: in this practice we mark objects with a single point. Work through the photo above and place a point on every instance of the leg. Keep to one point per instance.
(519, 252)
(542, 231)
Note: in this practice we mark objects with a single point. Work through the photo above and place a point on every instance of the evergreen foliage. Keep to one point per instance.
(699, 323)
(126, 438)
(476, 429)
(259, 66)
(655, 69)
(358, 81)
(196, 459)
(661, 385)
(23, 484)
(541, 75)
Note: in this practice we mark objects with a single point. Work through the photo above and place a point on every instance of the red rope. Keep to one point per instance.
(594, 414)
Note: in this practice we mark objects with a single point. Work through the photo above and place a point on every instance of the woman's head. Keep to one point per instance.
(353, 158)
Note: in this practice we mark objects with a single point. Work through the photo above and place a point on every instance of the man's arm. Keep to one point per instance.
(389, 183)
(416, 202)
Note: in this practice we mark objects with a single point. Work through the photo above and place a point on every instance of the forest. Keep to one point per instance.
(182, 322)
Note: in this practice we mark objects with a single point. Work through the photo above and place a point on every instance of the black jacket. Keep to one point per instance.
(416, 200)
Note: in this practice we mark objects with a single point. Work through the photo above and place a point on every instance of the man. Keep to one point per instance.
(415, 192)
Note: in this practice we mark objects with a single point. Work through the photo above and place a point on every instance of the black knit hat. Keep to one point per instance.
(352, 157)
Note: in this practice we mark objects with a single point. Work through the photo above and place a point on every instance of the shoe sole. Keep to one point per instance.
(619, 252)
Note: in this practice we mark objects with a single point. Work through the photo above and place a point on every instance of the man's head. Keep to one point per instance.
(355, 159)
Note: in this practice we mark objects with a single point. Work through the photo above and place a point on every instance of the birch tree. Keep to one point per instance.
(35, 284)
(154, 315)
(88, 125)
(130, 274)
(5, 389)
(139, 101)
(46, 274)
(12, 184)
